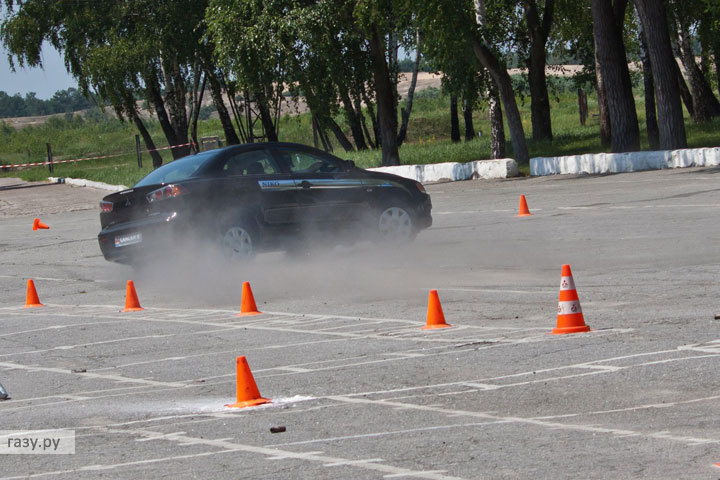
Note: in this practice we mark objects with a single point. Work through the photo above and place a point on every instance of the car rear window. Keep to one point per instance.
(177, 170)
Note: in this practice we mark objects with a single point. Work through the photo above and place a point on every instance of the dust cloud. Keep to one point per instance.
(319, 272)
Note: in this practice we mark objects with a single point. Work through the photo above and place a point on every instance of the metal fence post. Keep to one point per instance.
(49, 158)
(137, 147)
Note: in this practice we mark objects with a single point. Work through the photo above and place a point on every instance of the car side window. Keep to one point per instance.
(303, 162)
(256, 162)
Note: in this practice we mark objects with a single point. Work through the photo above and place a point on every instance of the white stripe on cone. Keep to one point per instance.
(568, 308)
(567, 283)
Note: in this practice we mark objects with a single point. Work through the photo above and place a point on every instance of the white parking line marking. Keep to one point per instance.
(686, 440)
(383, 434)
(534, 372)
(416, 336)
(59, 327)
(113, 378)
(498, 290)
(633, 409)
(50, 279)
(269, 453)
(70, 347)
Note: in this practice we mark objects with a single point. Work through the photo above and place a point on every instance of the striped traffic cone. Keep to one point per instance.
(570, 318)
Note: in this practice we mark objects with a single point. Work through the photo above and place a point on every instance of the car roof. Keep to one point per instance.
(250, 146)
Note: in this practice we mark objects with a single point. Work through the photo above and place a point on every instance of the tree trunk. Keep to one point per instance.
(503, 82)
(315, 131)
(374, 122)
(705, 33)
(353, 120)
(216, 91)
(705, 104)
(649, 89)
(386, 100)
(149, 144)
(175, 93)
(454, 120)
(405, 112)
(325, 140)
(539, 99)
(716, 61)
(612, 61)
(198, 93)
(497, 128)
(152, 88)
(670, 116)
(685, 94)
(340, 135)
(266, 119)
(468, 120)
(603, 109)
(361, 116)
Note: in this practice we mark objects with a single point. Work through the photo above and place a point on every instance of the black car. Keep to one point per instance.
(258, 197)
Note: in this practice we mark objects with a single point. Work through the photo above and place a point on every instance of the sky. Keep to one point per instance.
(44, 82)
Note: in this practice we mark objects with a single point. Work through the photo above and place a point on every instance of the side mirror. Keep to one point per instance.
(349, 164)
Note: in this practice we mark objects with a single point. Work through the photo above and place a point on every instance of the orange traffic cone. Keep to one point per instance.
(132, 304)
(247, 302)
(248, 394)
(435, 317)
(38, 225)
(523, 209)
(31, 299)
(570, 318)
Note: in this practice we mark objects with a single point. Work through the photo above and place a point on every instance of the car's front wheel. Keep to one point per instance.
(395, 224)
(238, 243)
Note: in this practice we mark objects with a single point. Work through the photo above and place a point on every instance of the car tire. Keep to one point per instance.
(238, 241)
(395, 224)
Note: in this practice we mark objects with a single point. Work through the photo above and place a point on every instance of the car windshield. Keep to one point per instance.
(177, 170)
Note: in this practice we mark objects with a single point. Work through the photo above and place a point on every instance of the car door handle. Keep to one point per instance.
(305, 184)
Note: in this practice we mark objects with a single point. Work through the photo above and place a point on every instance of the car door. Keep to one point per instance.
(255, 183)
(326, 191)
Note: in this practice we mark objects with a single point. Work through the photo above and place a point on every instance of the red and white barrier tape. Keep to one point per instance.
(39, 164)
(59, 161)
(170, 147)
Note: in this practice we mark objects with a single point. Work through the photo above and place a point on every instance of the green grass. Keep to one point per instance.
(428, 139)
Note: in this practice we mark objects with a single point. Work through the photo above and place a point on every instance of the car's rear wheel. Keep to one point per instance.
(238, 243)
(395, 224)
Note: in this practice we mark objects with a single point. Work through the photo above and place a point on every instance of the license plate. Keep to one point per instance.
(129, 239)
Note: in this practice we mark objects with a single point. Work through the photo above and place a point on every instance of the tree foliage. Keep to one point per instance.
(340, 57)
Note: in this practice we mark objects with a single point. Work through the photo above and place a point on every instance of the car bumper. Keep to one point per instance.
(133, 241)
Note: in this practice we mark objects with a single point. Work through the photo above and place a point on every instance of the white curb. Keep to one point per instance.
(597, 163)
(81, 182)
(453, 171)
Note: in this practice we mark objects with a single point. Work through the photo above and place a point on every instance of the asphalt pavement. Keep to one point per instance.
(362, 390)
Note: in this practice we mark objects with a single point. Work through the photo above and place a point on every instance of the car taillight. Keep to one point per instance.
(420, 187)
(168, 191)
(106, 207)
